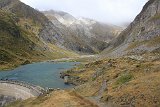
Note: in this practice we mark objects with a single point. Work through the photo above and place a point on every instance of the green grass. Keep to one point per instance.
(81, 66)
(124, 79)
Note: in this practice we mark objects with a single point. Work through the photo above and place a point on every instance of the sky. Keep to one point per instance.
(117, 12)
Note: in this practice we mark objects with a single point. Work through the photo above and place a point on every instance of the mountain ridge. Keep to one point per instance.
(84, 27)
(140, 36)
(30, 36)
(20, 27)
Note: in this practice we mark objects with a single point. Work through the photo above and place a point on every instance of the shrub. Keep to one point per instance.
(124, 78)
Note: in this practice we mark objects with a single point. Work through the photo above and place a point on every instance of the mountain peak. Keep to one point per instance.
(61, 16)
(86, 21)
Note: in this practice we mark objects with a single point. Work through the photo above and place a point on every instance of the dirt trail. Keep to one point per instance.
(96, 99)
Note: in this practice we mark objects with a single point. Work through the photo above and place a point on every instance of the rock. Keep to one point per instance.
(66, 80)
(26, 62)
(4, 100)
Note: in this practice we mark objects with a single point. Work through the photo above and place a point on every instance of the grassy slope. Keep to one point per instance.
(129, 81)
(55, 99)
(19, 44)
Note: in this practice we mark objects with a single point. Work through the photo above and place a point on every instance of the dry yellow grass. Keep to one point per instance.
(60, 98)
(129, 82)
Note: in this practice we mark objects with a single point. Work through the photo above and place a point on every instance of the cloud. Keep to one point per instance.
(115, 12)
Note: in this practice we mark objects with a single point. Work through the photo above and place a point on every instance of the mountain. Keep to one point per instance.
(141, 36)
(27, 35)
(20, 30)
(91, 33)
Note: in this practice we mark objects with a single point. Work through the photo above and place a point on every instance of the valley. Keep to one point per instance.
(80, 62)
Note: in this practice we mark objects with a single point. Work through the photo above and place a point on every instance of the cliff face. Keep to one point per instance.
(141, 36)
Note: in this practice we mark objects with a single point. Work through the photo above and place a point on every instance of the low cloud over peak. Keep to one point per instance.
(116, 12)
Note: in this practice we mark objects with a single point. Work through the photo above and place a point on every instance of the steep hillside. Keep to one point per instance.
(141, 36)
(64, 38)
(20, 43)
(91, 33)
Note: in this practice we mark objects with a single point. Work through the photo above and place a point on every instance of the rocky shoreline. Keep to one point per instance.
(74, 80)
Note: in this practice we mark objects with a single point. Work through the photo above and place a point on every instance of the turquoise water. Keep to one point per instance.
(44, 74)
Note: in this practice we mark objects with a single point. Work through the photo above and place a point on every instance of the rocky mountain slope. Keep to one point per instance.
(28, 35)
(90, 32)
(141, 36)
(20, 30)
(91, 27)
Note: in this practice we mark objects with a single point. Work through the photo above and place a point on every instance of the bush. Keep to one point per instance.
(124, 78)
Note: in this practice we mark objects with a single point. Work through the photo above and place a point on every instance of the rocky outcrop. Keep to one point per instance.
(70, 79)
